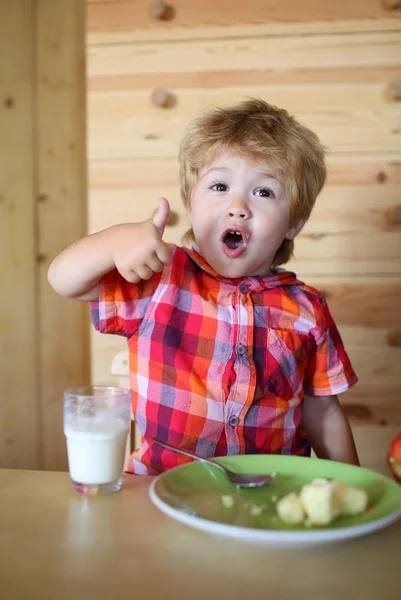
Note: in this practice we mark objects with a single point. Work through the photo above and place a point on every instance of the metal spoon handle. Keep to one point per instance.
(186, 453)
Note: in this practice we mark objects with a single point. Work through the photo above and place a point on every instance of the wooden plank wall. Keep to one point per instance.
(329, 63)
(19, 439)
(44, 341)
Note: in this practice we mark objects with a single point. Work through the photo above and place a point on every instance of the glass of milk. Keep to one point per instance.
(96, 424)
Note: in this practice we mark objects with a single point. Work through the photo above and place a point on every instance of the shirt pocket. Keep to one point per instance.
(288, 353)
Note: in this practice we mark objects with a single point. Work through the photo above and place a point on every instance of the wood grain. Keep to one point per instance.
(265, 52)
(381, 169)
(19, 425)
(348, 118)
(367, 304)
(252, 77)
(130, 19)
(80, 532)
(61, 180)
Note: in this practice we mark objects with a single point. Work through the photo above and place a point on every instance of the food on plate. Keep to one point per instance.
(351, 500)
(290, 509)
(394, 457)
(227, 501)
(320, 502)
(256, 510)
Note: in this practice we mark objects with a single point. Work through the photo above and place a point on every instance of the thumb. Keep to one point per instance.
(161, 216)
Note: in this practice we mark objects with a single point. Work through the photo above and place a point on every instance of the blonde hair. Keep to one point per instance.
(269, 135)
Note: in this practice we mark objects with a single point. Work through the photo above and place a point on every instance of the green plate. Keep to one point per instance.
(192, 493)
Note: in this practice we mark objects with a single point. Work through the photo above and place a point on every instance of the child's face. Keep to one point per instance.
(240, 215)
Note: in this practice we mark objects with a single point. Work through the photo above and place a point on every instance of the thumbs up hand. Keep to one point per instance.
(161, 216)
(138, 248)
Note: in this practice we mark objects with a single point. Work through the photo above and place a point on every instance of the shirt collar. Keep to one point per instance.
(279, 278)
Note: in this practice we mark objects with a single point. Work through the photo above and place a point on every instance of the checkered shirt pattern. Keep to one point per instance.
(220, 366)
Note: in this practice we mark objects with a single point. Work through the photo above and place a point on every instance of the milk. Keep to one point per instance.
(96, 450)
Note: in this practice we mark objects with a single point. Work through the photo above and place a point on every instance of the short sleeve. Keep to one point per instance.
(121, 305)
(329, 371)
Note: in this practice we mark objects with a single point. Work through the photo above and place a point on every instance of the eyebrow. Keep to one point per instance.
(216, 169)
(268, 175)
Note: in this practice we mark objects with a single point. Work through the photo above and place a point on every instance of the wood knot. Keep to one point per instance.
(162, 98)
(358, 411)
(9, 102)
(394, 89)
(391, 4)
(393, 215)
(381, 177)
(161, 10)
(394, 338)
(317, 235)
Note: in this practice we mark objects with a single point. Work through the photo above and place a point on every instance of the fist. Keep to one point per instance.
(139, 249)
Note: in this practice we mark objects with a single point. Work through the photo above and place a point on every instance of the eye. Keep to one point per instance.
(264, 193)
(219, 187)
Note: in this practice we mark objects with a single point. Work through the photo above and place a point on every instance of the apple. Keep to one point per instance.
(394, 457)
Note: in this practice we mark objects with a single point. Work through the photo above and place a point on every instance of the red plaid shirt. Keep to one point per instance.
(219, 366)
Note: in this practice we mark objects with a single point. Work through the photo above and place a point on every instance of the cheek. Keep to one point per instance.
(200, 225)
(280, 220)
(200, 217)
(273, 225)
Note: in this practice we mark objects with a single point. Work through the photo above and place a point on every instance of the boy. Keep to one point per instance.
(228, 354)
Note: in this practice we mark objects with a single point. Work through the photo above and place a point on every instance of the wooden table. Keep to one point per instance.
(57, 544)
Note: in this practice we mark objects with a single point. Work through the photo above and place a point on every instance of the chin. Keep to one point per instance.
(231, 271)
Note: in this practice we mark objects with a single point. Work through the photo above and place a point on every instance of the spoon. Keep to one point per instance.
(247, 481)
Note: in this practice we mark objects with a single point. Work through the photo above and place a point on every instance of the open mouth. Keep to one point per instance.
(234, 242)
(233, 239)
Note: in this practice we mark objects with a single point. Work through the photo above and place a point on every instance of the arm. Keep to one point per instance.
(328, 429)
(76, 272)
(135, 249)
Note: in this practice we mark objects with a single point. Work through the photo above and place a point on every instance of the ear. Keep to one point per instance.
(293, 231)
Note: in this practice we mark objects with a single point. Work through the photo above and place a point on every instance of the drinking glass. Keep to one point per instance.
(97, 420)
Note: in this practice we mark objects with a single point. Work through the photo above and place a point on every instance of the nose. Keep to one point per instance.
(238, 209)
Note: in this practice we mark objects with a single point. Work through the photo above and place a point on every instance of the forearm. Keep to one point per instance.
(136, 250)
(79, 268)
(328, 430)
(337, 442)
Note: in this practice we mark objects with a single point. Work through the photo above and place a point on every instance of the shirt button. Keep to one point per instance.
(233, 421)
(241, 349)
(243, 288)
